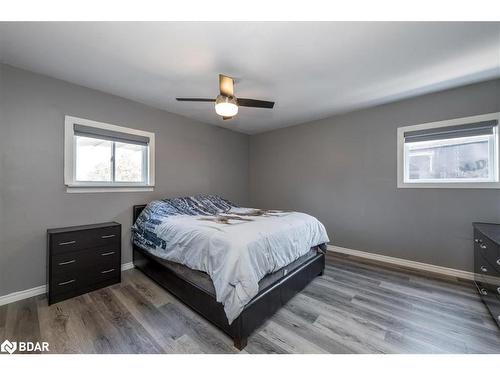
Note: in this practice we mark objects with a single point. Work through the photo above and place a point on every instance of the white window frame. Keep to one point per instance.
(73, 186)
(449, 184)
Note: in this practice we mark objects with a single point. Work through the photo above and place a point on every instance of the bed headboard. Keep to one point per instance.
(137, 211)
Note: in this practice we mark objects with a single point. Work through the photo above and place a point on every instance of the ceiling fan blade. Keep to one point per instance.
(226, 85)
(194, 100)
(255, 103)
(227, 118)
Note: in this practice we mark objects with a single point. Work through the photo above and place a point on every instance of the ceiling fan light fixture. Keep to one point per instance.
(226, 106)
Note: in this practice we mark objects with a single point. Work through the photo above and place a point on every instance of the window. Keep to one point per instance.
(105, 157)
(459, 153)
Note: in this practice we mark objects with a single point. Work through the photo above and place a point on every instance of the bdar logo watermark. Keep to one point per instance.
(23, 346)
(8, 347)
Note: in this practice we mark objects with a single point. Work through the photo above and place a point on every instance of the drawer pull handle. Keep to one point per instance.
(484, 292)
(108, 236)
(108, 271)
(484, 269)
(477, 240)
(482, 246)
(67, 282)
(68, 262)
(67, 243)
(498, 261)
(108, 253)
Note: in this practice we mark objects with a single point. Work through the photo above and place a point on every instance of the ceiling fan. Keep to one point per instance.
(226, 104)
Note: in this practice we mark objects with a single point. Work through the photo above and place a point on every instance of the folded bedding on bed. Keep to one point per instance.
(235, 246)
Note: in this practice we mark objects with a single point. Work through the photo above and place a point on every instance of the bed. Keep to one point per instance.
(168, 260)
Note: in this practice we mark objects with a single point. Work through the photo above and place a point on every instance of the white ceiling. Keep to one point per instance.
(312, 70)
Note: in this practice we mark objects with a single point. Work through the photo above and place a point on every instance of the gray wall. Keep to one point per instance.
(343, 170)
(190, 158)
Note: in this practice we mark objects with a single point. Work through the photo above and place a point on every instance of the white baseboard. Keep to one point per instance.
(42, 289)
(23, 294)
(404, 263)
(127, 266)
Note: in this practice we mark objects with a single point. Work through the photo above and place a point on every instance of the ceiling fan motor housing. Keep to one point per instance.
(226, 106)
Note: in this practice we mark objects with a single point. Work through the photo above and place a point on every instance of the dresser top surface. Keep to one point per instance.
(82, 227)
(492, 231)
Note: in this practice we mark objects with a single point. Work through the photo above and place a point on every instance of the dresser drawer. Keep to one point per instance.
(483, 267)
(110, 237)
(491, 298)
(489, 249)
(491, 287)
(70, 241)
(104, 271)
(105, 254)
(68, 261)
(79, 240)
(65, 283)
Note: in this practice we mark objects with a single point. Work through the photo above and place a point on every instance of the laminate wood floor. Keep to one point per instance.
(356, 307)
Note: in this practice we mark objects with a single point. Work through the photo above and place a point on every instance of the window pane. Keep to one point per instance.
(93, 159)
(458, 159)
(129, 162)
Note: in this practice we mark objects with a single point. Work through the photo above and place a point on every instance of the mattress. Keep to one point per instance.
(202, 280)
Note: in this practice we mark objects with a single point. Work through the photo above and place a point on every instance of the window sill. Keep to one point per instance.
(449, 185)
(108, 189)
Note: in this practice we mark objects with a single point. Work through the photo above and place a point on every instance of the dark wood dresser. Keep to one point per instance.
(487, 265)
(81, 259)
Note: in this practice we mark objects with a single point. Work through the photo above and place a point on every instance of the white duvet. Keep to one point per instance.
(237, 254)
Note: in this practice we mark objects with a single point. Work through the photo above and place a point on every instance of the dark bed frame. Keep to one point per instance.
(256, 312)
